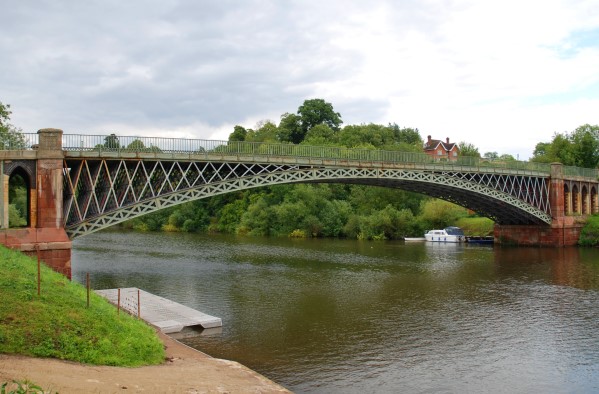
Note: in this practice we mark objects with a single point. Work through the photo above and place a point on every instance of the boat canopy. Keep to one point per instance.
(454, 231)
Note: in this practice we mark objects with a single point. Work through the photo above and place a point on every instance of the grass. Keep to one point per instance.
(58, 323)
(476, 226)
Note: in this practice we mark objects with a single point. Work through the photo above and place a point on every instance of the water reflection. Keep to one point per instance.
(347, 316)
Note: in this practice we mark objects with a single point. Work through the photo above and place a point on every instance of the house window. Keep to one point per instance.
(439, 152)
(455, 153)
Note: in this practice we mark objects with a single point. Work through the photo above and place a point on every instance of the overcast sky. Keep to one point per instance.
(502, 75)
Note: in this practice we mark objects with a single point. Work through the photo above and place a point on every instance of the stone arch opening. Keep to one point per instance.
(585, 201)
(594, 202)
(575, 199)
(567, 200)
(19, 204)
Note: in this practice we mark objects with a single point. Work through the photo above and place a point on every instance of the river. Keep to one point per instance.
(345, 316)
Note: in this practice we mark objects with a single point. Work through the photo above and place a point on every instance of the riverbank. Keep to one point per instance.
(39, 331)
(185, 371)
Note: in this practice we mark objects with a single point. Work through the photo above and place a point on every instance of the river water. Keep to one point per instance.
(344, 316)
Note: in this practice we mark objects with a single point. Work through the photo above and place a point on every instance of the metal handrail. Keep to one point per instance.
(581, 172)
(135, 144)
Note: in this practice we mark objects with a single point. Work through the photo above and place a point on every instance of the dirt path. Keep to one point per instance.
(186, 371)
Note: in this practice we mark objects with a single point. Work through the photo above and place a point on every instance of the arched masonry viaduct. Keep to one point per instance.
(76, 187)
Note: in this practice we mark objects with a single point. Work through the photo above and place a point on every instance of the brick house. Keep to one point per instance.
(441, 151)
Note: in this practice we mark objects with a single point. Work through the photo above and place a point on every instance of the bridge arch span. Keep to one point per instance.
(99, 195)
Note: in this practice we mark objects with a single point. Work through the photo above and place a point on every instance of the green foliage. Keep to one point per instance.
(406, 135)
(355, 136)
(440, 214)
(17, 197)
(290, 129)
(323, 210)
(476, 225)
(579, 148)
(297, 234)
(136, 145)
(491, 155)
(317, 111)
(388, 223)
(589, 235)
(10, 136)
(238, 134)
(58, 324)
(15, 217)
(266, 131)
(468, 149)
(111, 142)
(21, 387)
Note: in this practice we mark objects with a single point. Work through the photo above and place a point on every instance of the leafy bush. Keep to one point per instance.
(589, 236)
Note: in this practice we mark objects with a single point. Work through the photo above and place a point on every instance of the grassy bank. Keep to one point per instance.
(476, 226)
(58, 323)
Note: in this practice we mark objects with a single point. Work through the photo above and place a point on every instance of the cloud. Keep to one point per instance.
(465, 69)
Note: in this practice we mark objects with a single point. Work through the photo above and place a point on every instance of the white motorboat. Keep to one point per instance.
(448, 234)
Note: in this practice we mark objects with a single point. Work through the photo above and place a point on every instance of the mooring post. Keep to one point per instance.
(39, 270)
(87, 285)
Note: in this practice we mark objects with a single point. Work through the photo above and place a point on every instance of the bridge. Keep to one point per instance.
(78, 184)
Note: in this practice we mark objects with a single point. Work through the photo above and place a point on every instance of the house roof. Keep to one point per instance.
(431, 144)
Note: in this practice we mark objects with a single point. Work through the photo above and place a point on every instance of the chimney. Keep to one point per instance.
(447, 139)
(429, 139)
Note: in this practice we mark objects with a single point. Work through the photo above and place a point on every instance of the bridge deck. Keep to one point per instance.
(167, 315)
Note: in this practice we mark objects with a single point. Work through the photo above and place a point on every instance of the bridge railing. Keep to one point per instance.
(18, 141)
(581, 172)
(133, 144)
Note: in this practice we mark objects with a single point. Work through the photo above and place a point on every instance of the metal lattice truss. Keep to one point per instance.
(99, 193)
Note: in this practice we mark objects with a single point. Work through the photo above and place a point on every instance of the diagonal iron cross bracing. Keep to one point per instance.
(103, 189)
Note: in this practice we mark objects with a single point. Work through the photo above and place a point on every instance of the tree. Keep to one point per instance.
(406, 135)
(10, 136)
(266, 131)
(491, 155)
(507, 157)
(468, 149)
(239, 133)
(111, 142)
(290, 129)
(353, 136)
(136, 145)
(585, 146)
(318, 111)
(579, 148)
(320, 135)
(440, 214)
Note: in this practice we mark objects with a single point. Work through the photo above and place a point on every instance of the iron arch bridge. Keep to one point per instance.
(104, 186)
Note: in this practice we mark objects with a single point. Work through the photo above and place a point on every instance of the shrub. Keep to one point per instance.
(589, 236)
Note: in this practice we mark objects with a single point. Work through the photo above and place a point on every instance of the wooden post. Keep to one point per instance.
(87, 285)
(39, 271)
(118, 304)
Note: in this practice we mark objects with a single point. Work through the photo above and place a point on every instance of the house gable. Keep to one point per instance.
(441, 149)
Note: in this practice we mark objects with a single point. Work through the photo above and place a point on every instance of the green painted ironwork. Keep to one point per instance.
(100, 192)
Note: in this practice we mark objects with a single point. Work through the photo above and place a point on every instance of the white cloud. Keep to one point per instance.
(502, 75)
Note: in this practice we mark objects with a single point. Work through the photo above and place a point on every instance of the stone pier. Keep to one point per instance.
(566, 221)
(41, 169)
